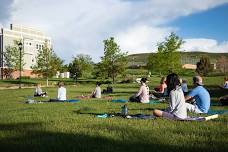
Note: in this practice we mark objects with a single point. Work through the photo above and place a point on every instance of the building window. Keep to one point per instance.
(37, 46)
(32, 60)
(30, 43)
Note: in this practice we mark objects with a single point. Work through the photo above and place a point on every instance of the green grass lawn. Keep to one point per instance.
(74, 126)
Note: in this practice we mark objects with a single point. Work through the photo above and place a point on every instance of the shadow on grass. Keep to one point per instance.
(29, 137)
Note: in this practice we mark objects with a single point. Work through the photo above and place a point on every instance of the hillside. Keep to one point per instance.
(186, 57)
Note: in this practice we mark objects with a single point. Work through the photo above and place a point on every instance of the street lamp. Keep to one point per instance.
(20, 45)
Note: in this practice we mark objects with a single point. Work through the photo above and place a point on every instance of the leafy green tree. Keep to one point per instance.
(113, 62)
(12, 58)
(203, 67)
(167, 58)
(81, 66)
(47, 63)
(222, 64)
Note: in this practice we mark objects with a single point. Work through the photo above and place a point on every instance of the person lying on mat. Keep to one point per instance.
(161, 90)
(200, 95)
(177, 107)
(143, 94)
(38, 91)
(61, 96)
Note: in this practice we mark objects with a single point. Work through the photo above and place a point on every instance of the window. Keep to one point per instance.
(37, 47)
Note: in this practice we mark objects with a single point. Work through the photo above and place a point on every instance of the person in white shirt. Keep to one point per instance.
(61, 96)
(177, 107)
(97, 92)
(143, 93)
(61, 92)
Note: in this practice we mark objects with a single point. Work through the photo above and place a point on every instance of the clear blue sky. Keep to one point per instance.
(212, 24)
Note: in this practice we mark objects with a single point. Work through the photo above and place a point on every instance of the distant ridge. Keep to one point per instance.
(141, 58)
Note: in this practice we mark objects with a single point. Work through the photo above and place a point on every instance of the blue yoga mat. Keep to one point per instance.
(212, 112)
(72, 100)
(120, 100)
(154, 102)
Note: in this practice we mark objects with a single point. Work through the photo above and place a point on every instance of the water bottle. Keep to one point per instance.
(124, 110)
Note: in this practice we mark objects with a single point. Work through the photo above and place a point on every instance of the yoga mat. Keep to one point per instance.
(154, 102)
(72, 100)
(212, 112)
(140, 116)
(120, 100)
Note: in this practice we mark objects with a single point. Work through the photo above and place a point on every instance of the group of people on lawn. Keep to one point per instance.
(178, 102)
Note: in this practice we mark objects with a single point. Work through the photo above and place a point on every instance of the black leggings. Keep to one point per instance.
(134, 99)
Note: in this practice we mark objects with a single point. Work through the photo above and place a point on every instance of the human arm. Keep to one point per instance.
(139, 91)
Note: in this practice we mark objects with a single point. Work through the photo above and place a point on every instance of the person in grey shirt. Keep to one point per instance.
(177, 107)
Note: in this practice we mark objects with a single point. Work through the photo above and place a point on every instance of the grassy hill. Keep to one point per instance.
(186, 57)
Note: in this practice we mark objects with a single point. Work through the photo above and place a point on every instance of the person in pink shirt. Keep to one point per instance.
(143, 93)
(161, 90)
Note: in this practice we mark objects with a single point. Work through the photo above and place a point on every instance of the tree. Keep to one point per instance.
(114, 61)
(47, 63)
(12, 59)
(167, 58)
(81, 66)
(222, 64)
(203, 67)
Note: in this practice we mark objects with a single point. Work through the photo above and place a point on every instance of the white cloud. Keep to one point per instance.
(142, 38)
(80, 26)
(206, 45)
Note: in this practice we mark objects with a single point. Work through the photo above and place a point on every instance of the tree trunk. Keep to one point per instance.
(47, 82)
(113, 78)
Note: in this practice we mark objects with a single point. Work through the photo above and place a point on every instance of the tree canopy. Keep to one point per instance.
(47, 63)
(12, 58)
(81, 66)
(114, 61)
(167, 57)
(203, 67)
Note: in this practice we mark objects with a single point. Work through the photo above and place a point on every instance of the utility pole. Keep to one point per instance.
(20, 49)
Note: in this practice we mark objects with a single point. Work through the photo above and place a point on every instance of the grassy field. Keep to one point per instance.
(75, 127)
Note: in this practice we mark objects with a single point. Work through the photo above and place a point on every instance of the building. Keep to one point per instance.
(32, 40)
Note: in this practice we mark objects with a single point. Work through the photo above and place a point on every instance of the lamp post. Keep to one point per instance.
(20, 48)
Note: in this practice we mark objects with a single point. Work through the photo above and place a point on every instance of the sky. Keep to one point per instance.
(80, 26)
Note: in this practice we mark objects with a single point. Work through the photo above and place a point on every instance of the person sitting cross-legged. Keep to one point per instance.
(38, 91)
(200, 95)
(143, 94)
(177, 107)
(61, 96)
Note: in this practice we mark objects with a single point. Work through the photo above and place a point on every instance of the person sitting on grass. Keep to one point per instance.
(97, 92)
(225, 85)
(143, 94)
(177, 107)
(108, 90)
(38, 91)
(200, 95)
(224, 100)
(61, 93)
(160, 91)
(184, 86)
